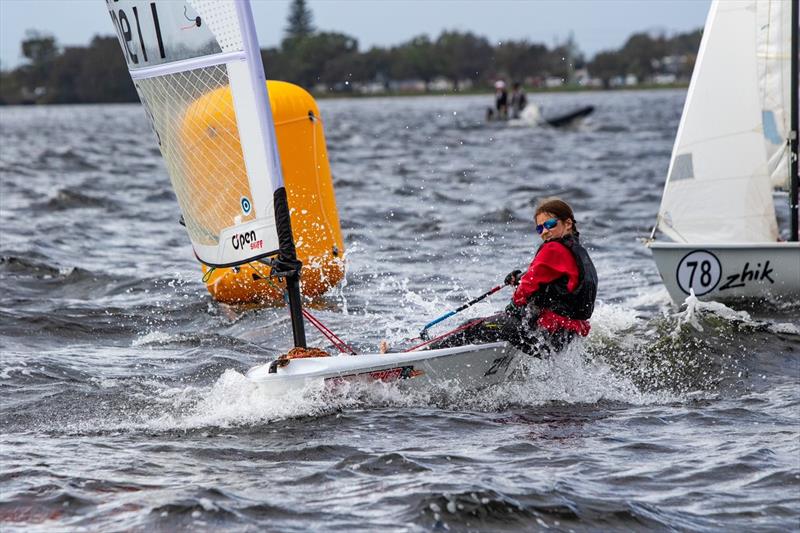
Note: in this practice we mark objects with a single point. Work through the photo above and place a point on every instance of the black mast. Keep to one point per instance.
(287, 265)
(793, 179)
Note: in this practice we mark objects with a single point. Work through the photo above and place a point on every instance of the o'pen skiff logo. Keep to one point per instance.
(246, 205)
(239, 240)
(699, 270)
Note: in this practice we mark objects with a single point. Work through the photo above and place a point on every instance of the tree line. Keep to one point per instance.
(323, 61)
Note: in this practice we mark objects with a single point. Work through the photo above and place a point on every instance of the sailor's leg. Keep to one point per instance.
(542, 343)
(481, 332)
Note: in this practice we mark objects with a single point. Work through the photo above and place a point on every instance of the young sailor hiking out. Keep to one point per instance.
(554, 298)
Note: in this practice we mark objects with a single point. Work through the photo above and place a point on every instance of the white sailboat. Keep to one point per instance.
(736, 140)
(190, 58)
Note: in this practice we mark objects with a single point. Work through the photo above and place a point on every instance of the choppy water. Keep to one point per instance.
(124, 404)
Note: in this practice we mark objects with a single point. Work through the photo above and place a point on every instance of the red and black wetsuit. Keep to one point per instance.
(561, 282)
(552, 304)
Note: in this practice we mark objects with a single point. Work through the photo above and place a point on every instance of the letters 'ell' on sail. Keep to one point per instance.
(196, 64)
(731, 145)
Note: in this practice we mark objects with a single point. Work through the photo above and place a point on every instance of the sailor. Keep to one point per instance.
(554, 298)
(501, 99)
(518, 100)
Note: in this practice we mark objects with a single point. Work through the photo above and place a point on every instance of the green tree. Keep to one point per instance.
(606, 65)
(463, 56)
(378, 65)
(518, 60)
(416, 59)
(103, 74)
(310, 56)
(640, 53)
(300, 22)
(39, 48)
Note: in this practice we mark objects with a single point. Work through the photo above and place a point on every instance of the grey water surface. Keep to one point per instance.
(124, 405)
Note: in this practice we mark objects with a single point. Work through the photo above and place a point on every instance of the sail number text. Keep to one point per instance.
(701, 271)
(129, 31)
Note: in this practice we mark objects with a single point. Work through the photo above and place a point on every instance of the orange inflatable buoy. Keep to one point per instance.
(309, 189)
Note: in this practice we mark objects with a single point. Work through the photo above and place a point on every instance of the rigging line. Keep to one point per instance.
(318, 120)
(338, 343)
(452, 332)
(207, 275)
(331, 336)
(323, 330)
(292, 120)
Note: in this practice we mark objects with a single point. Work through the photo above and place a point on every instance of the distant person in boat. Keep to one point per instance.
(501, 99)
(554, 298)
(518, 100)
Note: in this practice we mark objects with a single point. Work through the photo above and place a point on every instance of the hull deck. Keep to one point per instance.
(473, 366)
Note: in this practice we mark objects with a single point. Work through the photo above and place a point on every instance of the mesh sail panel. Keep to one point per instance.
(222, 21)
(197, 68)
(194, 119)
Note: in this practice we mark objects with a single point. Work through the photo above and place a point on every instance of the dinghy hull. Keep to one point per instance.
(727, 272)
(570, 118)
(463, 367)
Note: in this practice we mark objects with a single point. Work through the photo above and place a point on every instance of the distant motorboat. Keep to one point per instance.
(532, 116)
(568, 119)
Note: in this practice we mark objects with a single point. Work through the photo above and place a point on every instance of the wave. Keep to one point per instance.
(73, 199)
(65, 158)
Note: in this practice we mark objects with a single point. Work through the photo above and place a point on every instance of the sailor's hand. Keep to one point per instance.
(513, 277)
(513, 311)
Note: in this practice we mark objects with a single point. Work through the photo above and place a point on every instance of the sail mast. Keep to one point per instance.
(793, 178)
(286, 264)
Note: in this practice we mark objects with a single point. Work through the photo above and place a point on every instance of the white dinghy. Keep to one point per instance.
(464, 367)
(737, 139)
(191, 56)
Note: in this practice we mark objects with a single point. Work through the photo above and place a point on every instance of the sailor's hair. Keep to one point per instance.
(558, 207)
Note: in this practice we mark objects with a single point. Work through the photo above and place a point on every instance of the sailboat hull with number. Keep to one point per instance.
(729, 272)
(735, 142)
(461, 368)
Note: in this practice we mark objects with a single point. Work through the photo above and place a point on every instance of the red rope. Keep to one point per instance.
(330, 335)
(443, 335)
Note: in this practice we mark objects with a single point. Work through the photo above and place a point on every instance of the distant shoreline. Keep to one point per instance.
(403, 94)
(485, 92)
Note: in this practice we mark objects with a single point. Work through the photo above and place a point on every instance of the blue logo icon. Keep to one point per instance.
(246, 205)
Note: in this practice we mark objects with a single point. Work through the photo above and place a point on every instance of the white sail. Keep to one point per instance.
(718, 186)
(197, 68)
(774, 53)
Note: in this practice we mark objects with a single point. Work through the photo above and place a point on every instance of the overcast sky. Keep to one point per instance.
(596, 24)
